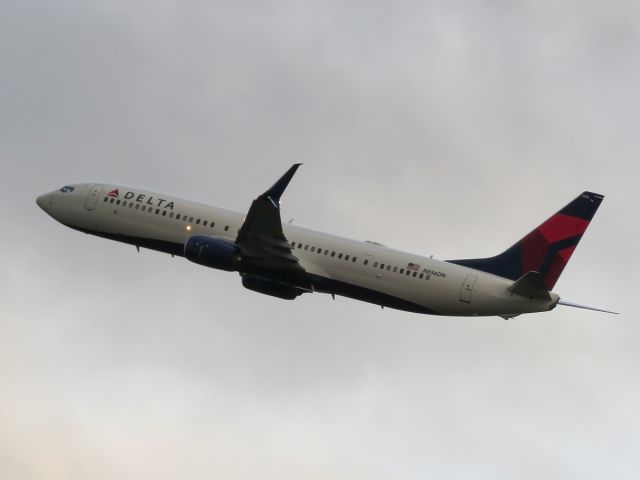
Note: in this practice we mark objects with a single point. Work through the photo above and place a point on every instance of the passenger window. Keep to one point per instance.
(157, 211)
(326, 252)
(171, 215)
(375, 264)
(137, 207)
(382, 266)
(299, 245)
(388, 268)
(124, 203)
(131, 205)
(339, 255)
(213, 224)
(415, 273)
(226, 228)
(143, 208)
(306, 247)
(313, 249)
(178, 217)
(117, 202)
(333, 254)
(401, 271)
(366, 261)
(198, 221)
(346, 257)
(204, 223)
(106, 198)
(395, 269)
(190, 219)
(354, 259)
(421, 275)
(408, 272)
(164, 213)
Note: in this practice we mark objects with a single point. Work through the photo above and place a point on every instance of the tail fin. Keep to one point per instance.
(548, 248)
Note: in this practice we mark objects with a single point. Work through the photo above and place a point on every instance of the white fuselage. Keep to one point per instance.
(362, 270)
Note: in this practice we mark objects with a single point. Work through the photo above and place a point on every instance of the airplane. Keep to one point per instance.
(286, 261)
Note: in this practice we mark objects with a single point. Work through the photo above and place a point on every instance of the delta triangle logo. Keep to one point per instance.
(113, 193)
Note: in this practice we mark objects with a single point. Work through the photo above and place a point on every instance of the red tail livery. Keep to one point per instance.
(548, 248)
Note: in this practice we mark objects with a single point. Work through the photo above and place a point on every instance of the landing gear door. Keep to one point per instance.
(92, 197)
(467, 288)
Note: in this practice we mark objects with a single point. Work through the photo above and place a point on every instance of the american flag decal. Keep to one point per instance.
(414, 267)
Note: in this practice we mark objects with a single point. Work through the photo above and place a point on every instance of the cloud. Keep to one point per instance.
(444, 127)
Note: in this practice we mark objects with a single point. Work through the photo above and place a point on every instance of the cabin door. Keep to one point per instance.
(467, 288)
(92, 197)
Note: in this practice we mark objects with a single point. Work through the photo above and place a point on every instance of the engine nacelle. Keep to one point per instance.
(213, 252)
(270, 287)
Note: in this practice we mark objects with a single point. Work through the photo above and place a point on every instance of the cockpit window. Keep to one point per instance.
(66, 189)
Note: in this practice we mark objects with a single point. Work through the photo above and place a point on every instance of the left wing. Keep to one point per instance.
(261, 239)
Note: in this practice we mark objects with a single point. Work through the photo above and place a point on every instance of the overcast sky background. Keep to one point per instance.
(442, 127)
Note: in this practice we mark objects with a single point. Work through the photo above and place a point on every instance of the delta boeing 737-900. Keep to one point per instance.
(286, 261)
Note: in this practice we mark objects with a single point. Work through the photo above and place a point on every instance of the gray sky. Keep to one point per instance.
(443, 127)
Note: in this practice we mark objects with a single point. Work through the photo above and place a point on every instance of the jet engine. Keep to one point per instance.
(213, 252)
(271, 287)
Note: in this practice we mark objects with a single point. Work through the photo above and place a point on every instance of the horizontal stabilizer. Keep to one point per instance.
(576, 305)
(530, 285)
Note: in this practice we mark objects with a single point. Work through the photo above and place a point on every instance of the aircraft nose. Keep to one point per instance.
(45, 201)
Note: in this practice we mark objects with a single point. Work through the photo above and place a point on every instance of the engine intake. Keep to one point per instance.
(271, 287)
(213, 252)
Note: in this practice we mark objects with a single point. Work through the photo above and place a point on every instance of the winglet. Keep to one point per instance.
(530, 285)
(276, 191)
